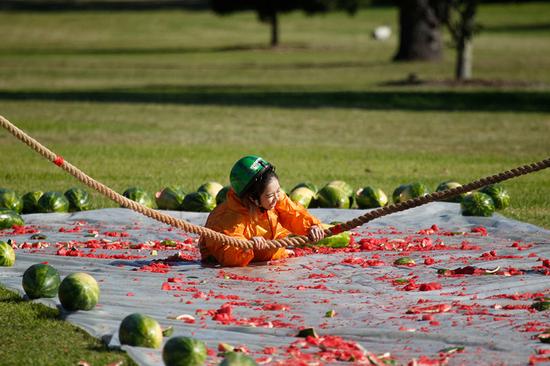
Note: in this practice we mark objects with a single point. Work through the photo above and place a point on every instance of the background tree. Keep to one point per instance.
(420, 29)
(459, 17)
(268, 10)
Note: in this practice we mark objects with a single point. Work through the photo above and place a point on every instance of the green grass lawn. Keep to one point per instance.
(33, 335)
(172, 97)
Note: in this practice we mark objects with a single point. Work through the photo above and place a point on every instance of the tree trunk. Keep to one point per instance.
(419, 31)
(274, 22)
(464, 56)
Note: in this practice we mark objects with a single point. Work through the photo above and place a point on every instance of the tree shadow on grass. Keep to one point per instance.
(259, 96)
(131, 51)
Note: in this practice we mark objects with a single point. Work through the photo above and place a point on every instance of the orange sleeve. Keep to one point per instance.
(227, 255)
(295, 217)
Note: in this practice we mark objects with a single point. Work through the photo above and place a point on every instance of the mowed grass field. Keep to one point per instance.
(172, 97)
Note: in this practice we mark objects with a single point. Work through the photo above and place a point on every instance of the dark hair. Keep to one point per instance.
(260, 183)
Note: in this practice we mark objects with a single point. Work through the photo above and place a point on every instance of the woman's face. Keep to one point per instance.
(270, 196)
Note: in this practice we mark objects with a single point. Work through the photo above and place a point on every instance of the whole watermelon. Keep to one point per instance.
(308, 185)
(9, 200)
(10, 218)
(53, 202)
(397, 191)
(170, 198)
(477, 204)
(499, 194)
(140, 331)
(222, 195)
(443, 186)
(237, 359)
(348, 190)
(140, 196)
(7, 255)
(30, 201)
(199, 202)
(212, 188)
(302, 195)
(333, 197)
(411, 191)
(184, 351)
(78, 291)
(79, 199)
(370, 197)
(41, 280)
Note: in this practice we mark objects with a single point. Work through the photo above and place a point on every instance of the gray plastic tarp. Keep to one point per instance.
(411, 312)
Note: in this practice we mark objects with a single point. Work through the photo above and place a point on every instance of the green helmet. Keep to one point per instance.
(246, 171)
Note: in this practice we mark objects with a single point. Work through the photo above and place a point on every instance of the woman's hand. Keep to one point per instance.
(315, 233)
(259, 243)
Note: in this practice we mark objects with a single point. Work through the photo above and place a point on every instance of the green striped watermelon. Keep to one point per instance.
(184, 351)
(79, 199)
(237, 359)
(53, 202)
(140, 196)
(7, 255)
(369, 197)
(450, 185)
(170, 198)
(9, 218)
(333, 197)
(78, 291)
(30, 201)
(477, 204)
(140, 331)
(41, 280)
(199, 202)
(498, 194)
(9, 200)
(222, 195)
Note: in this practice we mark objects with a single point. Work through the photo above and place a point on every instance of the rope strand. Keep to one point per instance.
(248, 244)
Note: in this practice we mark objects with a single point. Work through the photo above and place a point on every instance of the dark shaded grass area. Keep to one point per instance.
(227, 95)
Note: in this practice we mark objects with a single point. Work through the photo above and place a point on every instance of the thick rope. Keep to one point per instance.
(244, 244)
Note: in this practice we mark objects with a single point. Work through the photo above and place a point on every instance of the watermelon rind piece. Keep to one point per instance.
(237, 359)
(404, 261)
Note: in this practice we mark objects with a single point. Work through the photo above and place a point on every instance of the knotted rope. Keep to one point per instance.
(248, 244)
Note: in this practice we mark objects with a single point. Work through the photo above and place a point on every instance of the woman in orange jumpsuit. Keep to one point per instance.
(257, 210)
